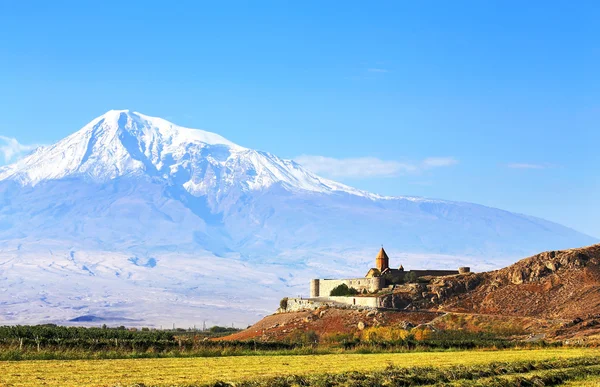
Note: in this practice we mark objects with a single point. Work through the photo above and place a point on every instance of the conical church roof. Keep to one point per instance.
(382, 254)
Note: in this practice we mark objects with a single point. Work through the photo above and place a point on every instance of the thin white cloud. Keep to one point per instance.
(11, 150)
(364, 167)
(526, 166)
(377, 70)
(435, 162)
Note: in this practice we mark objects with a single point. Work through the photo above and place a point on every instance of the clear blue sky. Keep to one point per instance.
(506, 93)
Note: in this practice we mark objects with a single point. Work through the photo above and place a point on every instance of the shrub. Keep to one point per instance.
(338, 338)
(393, 279)
(410, 278)
(343, 290)
(422, 334)
(303, 338)
(219, 329)
(387, 334)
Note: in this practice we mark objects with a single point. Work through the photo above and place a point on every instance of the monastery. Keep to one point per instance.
(379, 277)
(373, 289)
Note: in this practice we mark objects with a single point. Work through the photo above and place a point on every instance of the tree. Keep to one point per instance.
(343, 290)
(411, 277)
(283, 304)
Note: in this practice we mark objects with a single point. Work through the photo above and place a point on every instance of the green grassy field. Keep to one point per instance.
(190, 371)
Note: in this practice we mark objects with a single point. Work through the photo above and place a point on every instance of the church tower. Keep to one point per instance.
(382, 261)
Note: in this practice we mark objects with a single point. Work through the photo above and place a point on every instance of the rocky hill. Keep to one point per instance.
(554, 284)
(555, 294)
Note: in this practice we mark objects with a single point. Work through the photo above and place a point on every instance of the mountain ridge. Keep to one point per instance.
(128, 188)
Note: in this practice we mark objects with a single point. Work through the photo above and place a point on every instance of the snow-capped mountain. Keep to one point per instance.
(133, 217)
(123, 143)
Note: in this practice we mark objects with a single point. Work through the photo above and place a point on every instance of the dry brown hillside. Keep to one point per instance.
(555, 284)
(328, 321)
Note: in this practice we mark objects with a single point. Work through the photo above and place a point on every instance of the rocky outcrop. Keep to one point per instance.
(538, 267)
(553, 284)
(446, 287)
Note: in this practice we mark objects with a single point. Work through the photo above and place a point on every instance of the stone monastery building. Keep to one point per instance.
(379, 277)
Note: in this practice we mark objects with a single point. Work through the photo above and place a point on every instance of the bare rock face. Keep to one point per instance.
(540, 266)
(554, 284)
(397, 301)
(518, 277)
(446, 287)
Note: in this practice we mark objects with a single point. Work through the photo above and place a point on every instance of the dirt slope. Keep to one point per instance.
(328, 321)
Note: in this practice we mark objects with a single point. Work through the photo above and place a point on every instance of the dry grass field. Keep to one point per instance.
(186, 371)
(588, 382)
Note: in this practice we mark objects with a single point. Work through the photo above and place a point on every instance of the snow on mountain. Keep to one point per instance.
(136, 219)
(121, 143)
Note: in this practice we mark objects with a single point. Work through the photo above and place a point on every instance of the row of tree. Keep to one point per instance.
(54, 332)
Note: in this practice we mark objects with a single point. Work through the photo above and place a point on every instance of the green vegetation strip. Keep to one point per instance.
(49, 342)
(545, 378)
(523, 373)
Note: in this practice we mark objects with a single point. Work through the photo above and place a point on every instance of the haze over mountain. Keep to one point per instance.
(133, 217)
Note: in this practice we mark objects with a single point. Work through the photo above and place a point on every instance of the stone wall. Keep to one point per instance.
(323, 287)
(435, 273)
(300, 304)
(370, 302)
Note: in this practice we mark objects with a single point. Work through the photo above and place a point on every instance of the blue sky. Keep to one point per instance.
(496, 103)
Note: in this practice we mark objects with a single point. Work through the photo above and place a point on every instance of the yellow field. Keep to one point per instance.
(166, 372)
(589, 382)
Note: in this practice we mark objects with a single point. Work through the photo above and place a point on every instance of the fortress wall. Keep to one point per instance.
(371, 302)
(437, 273)
(300, 304)
(325, 286)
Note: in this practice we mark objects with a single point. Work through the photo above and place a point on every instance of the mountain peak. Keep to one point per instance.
(123, 142)
(115, 116)
(117, 143)
(141, 124)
